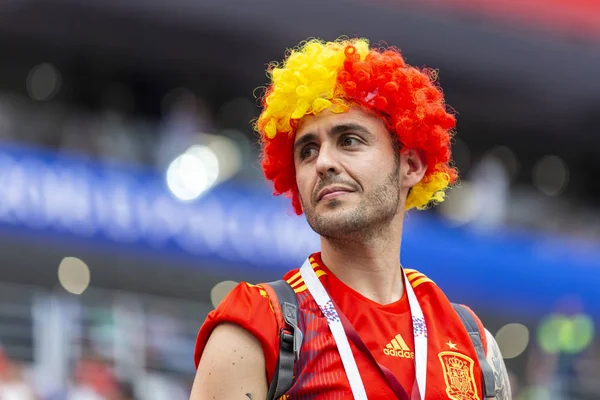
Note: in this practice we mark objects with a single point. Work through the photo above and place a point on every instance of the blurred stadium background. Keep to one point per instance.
(131, 199)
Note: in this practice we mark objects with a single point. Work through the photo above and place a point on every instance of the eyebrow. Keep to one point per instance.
(335, 131)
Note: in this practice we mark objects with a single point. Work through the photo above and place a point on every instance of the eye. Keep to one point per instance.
(349, 141)
(308, 152)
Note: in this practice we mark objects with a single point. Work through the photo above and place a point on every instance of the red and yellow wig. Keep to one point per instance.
(321, 75)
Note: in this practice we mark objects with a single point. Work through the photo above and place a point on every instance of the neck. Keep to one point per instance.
(369, 266)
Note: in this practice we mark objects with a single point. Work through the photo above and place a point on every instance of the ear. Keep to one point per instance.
(413, 168)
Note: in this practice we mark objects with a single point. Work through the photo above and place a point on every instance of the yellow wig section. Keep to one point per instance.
(306, 83)
(432, 191)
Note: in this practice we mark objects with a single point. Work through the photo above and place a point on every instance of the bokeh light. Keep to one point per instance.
(507, 158)
(512, 340)
(192, 173)
(43, 82)
(559, 333)
(220, 290)
(550, 175)
(74, 275)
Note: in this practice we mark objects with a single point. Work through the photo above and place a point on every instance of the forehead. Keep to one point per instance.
(326, 120)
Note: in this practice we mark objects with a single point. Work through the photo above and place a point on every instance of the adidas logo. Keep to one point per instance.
(398, 348)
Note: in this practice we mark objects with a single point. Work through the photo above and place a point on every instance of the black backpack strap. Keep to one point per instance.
(489, 385)
(290, 339)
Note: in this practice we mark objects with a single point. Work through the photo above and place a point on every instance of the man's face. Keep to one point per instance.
(348, 173)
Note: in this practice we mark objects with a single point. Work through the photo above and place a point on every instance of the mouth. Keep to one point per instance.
(333, 192)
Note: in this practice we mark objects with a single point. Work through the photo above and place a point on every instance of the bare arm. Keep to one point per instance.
(496, 361)
(232, 367)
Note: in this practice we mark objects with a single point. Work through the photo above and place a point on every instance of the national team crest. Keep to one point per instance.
(459, 377)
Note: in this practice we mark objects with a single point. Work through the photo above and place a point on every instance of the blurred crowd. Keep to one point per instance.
(110, 135)
(99, 346)
(92, 378)
(15, 383)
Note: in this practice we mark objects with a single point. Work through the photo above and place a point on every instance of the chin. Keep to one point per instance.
(335, 220)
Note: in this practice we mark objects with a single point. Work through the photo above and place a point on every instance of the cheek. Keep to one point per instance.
(304, 184)
(374, 169)
(368, 168)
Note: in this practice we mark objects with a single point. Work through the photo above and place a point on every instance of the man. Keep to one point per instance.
(355, 137)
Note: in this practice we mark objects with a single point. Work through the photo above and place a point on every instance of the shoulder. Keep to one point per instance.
(248, 307)
(231, 351)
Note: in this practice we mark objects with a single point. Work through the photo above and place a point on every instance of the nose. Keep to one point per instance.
(327, 163)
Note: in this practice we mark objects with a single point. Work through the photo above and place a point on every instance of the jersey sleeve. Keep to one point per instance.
(249, 307)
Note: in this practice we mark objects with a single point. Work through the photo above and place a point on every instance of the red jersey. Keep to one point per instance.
(453, 371)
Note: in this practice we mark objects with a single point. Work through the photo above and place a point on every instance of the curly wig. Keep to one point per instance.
(320, 75)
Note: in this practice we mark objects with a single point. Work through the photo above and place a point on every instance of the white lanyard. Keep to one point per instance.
(316, 289)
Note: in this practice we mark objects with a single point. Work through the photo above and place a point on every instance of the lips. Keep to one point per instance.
(333, 191)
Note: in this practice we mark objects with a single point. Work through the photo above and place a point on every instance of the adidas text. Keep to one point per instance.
(399, 353)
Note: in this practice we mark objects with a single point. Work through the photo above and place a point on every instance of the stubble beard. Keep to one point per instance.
(368, 219)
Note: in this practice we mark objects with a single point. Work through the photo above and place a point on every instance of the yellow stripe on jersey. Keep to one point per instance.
(300, 289)
(262, 291)
(299, 286)
(294, 277)
(421, 280)
(414, 277)
(297, 282)
(320, 273)
(413, 274)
